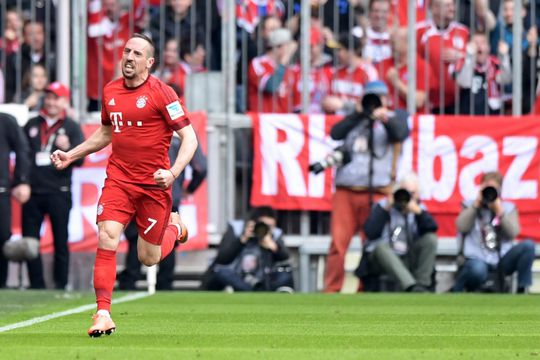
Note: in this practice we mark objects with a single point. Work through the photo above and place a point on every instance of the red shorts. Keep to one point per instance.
(120, 201)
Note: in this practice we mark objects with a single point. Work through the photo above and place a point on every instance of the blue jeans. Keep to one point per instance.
(474, 272)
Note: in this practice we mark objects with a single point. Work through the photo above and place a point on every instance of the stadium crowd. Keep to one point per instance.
(463, 54)
(463, 50)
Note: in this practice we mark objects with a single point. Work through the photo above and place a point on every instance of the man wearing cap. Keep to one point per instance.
(371, 137)
(51, 189)
(270, 80)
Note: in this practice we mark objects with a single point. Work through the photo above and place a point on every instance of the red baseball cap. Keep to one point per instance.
(58, 89)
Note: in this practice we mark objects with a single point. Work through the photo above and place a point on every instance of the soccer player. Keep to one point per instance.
(139, 114)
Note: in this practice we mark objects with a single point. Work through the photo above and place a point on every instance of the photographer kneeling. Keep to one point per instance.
(488, 226)
(251, 256)
(401, 240)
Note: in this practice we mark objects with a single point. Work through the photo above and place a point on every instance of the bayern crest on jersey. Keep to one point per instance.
(141, 102)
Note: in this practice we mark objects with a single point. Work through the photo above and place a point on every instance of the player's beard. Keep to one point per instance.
(127, 75)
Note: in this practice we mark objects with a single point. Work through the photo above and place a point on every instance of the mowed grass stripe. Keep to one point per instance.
(244, 326)
(80, 309)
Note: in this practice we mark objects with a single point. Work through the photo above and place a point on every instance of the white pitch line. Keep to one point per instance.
(76, 310)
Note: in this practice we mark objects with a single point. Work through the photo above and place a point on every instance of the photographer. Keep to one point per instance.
(401, 240)
(371, 139)
(251, 256)
(488, 226)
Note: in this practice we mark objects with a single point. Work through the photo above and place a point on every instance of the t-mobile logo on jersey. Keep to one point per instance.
(116, 120)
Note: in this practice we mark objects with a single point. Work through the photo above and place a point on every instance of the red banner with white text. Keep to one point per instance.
(87, 182)
(448, 153)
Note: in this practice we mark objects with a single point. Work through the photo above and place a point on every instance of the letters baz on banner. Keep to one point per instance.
(448, 153)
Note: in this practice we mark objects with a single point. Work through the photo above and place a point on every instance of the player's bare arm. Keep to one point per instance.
(165, 177)
(97, 141)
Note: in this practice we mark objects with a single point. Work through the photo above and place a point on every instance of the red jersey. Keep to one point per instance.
(320, 79)
(260, 71)
(425, 80)
(348, 82)
(250, 12)
(143, 120)
(377, 47)
(431, 42)
(106, 42)
(399, 11)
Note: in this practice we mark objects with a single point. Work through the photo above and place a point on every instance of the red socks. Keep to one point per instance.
(104, 277)
(169, 240)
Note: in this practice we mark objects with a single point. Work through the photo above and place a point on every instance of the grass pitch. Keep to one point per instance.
(181, 325)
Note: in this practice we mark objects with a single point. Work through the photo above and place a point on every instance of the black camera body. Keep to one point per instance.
(260, 230)
(370, 102)
(401, 199)
(489, 195)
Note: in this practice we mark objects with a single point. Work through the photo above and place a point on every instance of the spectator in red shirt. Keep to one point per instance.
(319, 77)
(350, 78)
(394, 72)
(377, 47)
(270, 78)
(400, 8)
(480, 77)
(12, 39)
(109, 27)
(441, 42)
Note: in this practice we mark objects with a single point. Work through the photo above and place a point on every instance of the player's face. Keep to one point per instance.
(135, 61)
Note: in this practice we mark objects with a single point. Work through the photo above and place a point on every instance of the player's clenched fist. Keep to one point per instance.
(60, 159)
(164, 178)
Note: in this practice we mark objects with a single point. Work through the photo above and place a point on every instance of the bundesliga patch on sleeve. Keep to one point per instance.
(175, 110)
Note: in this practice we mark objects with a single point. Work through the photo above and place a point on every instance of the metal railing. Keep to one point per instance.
(228, 42)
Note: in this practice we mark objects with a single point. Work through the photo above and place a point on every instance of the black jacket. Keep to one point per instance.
(379, 217)
(231, 247)
(12, 139)
(396, 127)
(198, 167)
(46, 179)
(26, 62)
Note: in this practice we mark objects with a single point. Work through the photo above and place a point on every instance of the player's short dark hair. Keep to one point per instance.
(148, 40)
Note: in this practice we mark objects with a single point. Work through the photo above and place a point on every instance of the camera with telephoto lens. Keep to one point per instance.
(489, 195)
(401, 199)
(260, 230)
(338, 157)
